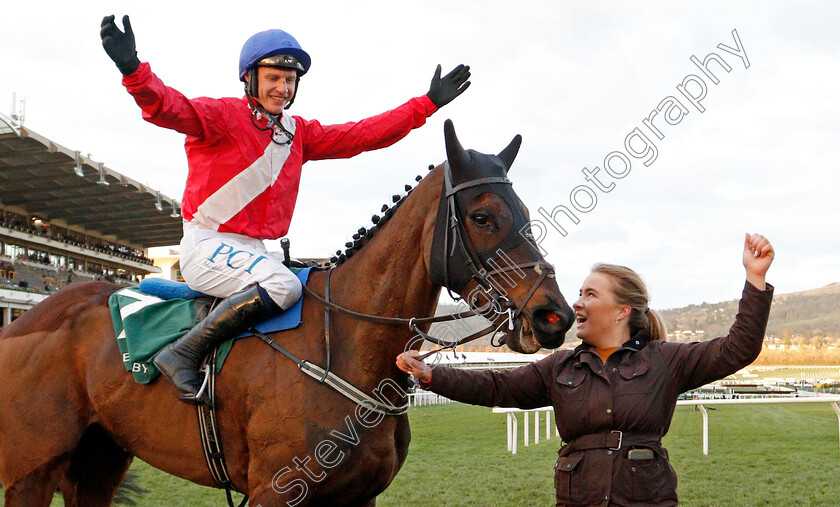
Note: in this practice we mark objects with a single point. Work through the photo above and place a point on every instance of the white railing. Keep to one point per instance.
(421, 398)
(512, 425)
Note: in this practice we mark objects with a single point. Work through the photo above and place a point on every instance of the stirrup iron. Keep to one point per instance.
(204, 383)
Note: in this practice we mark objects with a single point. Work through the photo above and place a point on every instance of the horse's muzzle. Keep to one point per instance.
(550, 323)
(545, 326)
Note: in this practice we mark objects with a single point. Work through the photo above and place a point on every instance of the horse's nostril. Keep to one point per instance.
(547, 317)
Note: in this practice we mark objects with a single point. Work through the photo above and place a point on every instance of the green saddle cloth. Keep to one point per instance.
(144, 324)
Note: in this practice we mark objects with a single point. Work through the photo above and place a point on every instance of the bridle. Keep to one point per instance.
(456, 242)
(452, 241)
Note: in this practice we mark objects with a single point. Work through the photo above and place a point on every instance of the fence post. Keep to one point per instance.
(548, 425)
(705, 430)
(508, 426)
(515, 432)
(525, 430)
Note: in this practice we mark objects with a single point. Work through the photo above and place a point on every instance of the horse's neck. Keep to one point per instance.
(388, 277)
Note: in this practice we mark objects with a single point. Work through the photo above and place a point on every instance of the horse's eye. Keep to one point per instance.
(480, 219)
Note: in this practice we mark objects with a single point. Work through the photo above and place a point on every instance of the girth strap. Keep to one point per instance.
(211, 442)
(613, 440)
(327, 325)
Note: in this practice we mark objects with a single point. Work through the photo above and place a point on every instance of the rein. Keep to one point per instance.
(498, 301)
(411, 322)
(545, 270)
(396, 321)
(473, 261)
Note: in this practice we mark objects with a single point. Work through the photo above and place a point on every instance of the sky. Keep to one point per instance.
(757, 152)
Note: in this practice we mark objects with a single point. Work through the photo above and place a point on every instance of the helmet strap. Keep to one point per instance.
(251, 86)
(258, 112)
(272, 121)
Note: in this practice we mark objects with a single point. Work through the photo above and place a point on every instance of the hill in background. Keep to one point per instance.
(801, 318)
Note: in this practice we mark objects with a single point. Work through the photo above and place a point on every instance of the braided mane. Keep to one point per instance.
(363, 235)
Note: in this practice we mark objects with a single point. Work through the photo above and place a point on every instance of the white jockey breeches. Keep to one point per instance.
(221, 264)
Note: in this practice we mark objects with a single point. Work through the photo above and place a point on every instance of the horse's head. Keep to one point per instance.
(481, 250)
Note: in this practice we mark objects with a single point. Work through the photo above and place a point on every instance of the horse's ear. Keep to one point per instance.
(509, 154)
(455, 153)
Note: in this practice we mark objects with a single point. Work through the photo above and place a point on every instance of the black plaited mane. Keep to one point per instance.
(364, 234)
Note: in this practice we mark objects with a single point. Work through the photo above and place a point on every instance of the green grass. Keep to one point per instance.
(759, 455)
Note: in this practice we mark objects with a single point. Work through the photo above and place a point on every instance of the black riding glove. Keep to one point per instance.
(120, 46)
(444, 90)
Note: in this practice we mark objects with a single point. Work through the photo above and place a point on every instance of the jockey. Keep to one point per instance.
(245, 156)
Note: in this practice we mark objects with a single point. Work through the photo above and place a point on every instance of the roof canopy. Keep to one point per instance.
(55, 183)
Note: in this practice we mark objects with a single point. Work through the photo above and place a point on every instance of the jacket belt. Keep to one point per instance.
(613, 440)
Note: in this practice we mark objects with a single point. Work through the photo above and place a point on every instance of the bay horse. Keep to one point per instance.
(72, 418)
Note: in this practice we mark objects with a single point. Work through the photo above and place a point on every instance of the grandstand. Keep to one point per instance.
(65, 218)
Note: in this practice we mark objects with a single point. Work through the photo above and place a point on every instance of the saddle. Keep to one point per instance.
(148, 317)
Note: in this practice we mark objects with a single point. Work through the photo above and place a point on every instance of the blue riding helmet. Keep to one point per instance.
(273, 48)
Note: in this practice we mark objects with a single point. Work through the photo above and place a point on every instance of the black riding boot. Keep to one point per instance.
(179, 361)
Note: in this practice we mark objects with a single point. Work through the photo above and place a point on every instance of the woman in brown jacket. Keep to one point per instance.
(614, 395)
